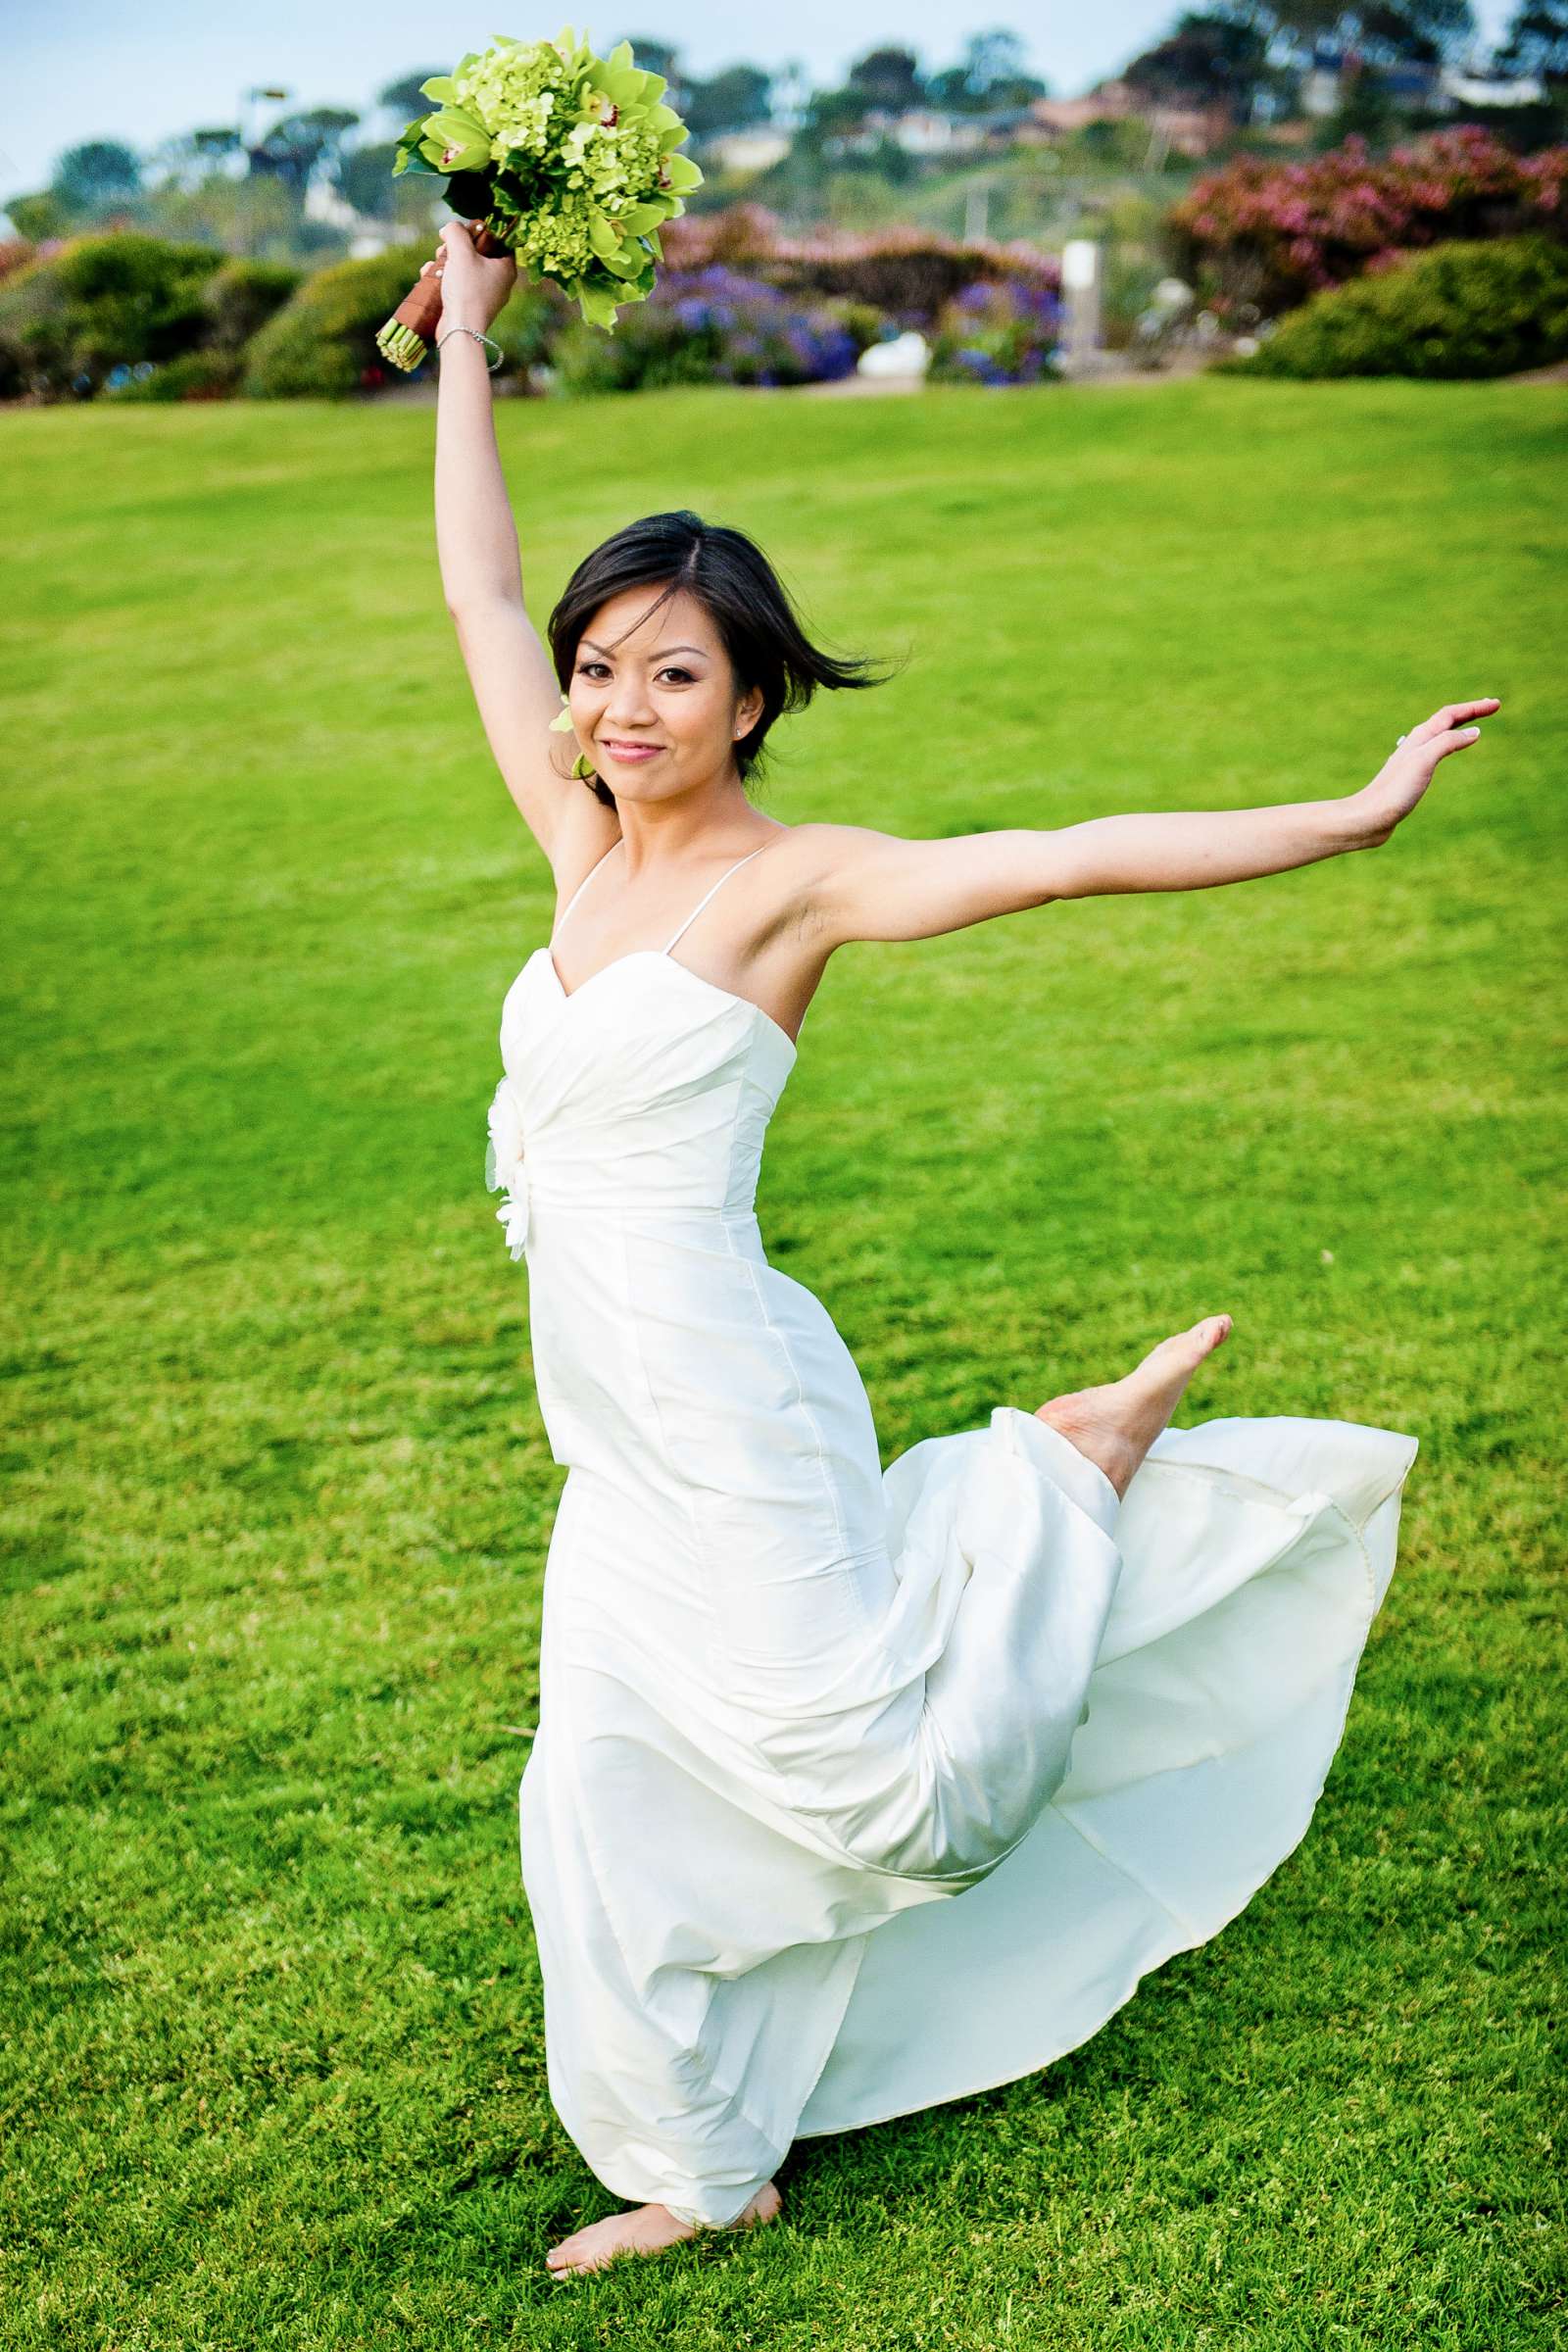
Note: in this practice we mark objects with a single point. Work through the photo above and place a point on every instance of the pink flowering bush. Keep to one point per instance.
(1270, 234)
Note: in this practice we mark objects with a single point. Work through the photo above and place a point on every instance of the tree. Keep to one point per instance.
(1419, 33)
(255, 215)
(1364, 107)
(949, 89)
(405, 98)
(1383, 31)
(363, 177)
(995, 67)
(195, 155)
(993, 73)
(1205, 60)
(888, 79)
(296, 147)
(993, 56)
(732, 101)
(97, 176)
(1536, 44)
(830, 114)
(216, 144)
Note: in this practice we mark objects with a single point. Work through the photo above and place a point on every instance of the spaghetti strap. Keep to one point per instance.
(708, 894)
(578, 893)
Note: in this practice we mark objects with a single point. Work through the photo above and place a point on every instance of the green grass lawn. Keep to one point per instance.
(278, 1493)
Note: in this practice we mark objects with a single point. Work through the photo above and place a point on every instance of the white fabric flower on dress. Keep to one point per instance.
(505, 1167)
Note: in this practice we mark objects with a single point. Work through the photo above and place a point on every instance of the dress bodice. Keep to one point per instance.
(648, 1089)
(645, 1093)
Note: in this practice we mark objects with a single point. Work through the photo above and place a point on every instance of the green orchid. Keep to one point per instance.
(454, 141)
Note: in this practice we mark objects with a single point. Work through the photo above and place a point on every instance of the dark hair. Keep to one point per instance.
(731, 577)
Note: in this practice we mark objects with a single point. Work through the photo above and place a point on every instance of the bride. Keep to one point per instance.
(852, 1791)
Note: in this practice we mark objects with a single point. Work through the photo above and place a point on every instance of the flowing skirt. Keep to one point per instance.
(816, 1834)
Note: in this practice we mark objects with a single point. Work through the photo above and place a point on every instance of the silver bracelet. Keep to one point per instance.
(492, 364)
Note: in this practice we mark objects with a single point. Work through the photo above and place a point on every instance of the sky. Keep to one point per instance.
(98, 70)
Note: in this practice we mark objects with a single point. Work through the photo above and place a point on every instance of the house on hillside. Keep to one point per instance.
(1334, 66)
(1194, 130)
(931, 130)
(1012, 126)
(918, 130)
(756, 149)
(1457, 90)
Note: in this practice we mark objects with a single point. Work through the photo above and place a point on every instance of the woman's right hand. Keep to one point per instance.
(475, 290)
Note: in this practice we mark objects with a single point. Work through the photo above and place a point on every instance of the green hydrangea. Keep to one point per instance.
(555, 244)
(514, 88)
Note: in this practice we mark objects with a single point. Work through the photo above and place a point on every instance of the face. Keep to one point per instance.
(653, 696)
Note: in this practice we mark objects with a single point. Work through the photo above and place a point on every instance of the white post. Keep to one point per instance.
(1080, 291)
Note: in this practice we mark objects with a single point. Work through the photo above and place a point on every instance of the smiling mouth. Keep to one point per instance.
(610, 745)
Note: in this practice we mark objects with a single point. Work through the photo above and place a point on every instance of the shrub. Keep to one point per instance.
(1269, 234)
(997, 334)
(529, 326)
(15, 254)
(906, 272)
(43, 216)
(1469, 308)
(98, 303)
(195, 375)
(714, 326)
(322, 344)
(240, 297)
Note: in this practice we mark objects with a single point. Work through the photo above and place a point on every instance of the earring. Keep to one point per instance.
(582, 768)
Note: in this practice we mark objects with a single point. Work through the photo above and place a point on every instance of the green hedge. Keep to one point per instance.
(100, 303)
(322, 344)
(241, 297)
(194, 375)
(1472, 308)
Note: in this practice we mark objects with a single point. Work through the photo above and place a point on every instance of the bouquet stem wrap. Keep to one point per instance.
(412, 329)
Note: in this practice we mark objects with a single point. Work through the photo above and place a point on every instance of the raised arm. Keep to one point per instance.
(870, 885)
(476, 541)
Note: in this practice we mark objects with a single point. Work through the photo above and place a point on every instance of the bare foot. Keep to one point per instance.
(1116, 1424)
(645, 2229)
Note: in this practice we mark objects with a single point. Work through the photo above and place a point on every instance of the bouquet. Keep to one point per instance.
(566, 160)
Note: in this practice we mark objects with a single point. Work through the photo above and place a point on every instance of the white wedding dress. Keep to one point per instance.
(854, 1792)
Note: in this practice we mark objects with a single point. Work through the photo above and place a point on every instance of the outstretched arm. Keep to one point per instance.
(871, 885)
(513, 677)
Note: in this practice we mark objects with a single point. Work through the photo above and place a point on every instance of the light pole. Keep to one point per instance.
(249, 99)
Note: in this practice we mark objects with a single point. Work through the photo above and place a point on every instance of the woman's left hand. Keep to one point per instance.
(1409, 769)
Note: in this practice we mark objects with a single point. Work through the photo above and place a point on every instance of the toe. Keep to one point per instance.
(1210, 1332)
